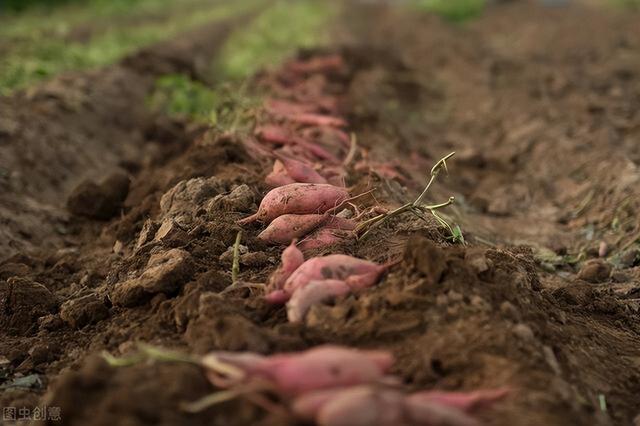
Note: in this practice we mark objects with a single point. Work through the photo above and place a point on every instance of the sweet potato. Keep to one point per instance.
(278, 106)
(362, 406)
(291, 259)
(433, 414)
(334, 266)
(299, 171)
(297, 198)
(312, 293)
(322, 238)
(465, 401)
(325, 367)
(286, 228)
(278, 176)
(274, 134)
(317, 150)
(310, 119)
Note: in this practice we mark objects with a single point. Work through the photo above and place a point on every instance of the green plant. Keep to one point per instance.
(178, 95)
(419, 208)
(453, 10)
(273, 36)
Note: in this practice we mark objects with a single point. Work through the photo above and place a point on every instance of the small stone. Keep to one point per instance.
(118, 247)
(254, 259)
(595, 271)
(83, 311)
(523, 331)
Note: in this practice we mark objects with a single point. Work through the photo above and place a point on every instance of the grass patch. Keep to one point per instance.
(453, 10)
(627, 4)
(178, 95)
(35, 46)
(276, 34)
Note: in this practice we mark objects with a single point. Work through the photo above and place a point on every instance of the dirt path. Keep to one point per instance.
(543, 299)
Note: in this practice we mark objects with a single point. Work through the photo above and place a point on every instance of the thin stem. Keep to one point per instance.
(235, 267)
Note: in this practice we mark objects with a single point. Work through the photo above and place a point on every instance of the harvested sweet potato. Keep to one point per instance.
(299, 171)
(279, 106)
(278, 176)
(297, 198)
(310, 119)
(362, 406)
(291, 259)
(323, 238)
(465, 401)
(312, 293)
(286, 228)
(318, 65)
(334, 266)
(326, 367)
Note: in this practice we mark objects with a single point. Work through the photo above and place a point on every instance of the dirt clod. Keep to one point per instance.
(595, 271)
(85, 310)
(164, 273)
(22, 302)
(99, 201)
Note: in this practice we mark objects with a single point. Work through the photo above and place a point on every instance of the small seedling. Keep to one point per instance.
(235, 267)
(417, 207)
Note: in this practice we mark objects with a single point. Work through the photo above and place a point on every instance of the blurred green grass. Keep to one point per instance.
(39, 44)
(277, 33)
(453, 10)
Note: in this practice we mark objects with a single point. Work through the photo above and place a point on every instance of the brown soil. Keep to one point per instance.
(543, 116)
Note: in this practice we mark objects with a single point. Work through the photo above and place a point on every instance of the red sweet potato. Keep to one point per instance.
(324, 367)
(318, 64)
(299, 171)
(274, 134)
(317, 150)
(362, 406)
(465, 401)
(433, 414)
(286, 228)
(334, 266)
(278, 176)
(290, 260)
(312, 293)
(309, 119)
(278, 106)
(297, 198)
(322, 238)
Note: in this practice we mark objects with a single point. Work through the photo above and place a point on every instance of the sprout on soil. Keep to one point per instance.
(418, 208)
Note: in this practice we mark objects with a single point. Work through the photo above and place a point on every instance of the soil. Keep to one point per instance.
(543, 298)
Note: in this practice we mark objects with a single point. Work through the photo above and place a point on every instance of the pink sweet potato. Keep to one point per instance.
(465, 401)
(278, 176)
(325, 367)
(299, 171)
(309, 119)
(362, 406)
(291, 259)
(312, 293)
(274, 134)
(278, 106)
(318, 64)
(297, 198)
(323, 238)
(433, 414)
(334, 266)
(317, 150)
(286, 228)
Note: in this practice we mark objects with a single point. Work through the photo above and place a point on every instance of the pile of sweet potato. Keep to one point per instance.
(335, 386)
(303, 133)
